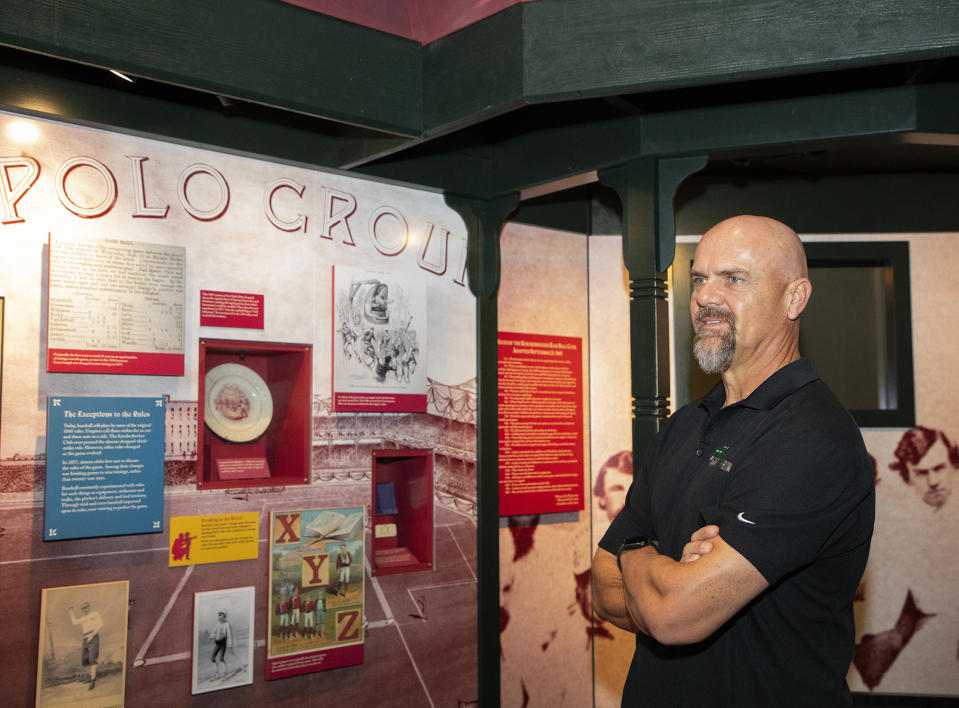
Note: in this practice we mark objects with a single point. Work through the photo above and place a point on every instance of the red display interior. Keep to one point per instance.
(411, 549)
(285, 445)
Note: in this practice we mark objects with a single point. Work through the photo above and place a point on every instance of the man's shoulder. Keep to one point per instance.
(815, 409)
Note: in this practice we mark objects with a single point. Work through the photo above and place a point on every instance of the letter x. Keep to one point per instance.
(287, 521)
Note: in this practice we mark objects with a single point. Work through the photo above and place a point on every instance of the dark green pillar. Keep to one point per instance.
(484, 223)
(646, 188)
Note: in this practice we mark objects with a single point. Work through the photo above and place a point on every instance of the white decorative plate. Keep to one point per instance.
(238, 405)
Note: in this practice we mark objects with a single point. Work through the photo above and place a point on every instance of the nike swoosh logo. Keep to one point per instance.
(744, 519)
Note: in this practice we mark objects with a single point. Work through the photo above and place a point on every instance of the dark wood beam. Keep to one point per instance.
(579, 48)
(283, 56)
(475, 74)
(793, 124)
(260, 51)
(40, 86)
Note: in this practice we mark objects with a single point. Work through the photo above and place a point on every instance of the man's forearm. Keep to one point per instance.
(685, 602)
(645, 590)
(608, 596)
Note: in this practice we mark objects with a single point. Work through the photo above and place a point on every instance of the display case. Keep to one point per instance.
(254, 414)
(402, 511)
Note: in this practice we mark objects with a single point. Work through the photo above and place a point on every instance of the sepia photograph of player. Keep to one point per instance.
(83, 643)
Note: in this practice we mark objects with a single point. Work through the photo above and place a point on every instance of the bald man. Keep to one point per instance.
(747, 527)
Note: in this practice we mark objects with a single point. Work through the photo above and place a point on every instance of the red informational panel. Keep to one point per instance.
(88, 361)
(540, 424)
(222, 309)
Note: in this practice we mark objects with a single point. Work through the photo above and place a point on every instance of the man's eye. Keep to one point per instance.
(697, 280)
(735, 279)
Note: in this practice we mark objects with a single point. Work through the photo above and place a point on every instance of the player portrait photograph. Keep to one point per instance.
(222, 639)
(83, 645)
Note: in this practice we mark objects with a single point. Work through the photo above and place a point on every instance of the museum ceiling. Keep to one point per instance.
(536, 92)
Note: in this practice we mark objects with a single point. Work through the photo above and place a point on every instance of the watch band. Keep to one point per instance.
(631, 544)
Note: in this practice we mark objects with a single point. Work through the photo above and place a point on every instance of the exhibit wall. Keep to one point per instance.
(610, 438)
(545, 623)
(907, 619)
(146, 256)
(562, 284)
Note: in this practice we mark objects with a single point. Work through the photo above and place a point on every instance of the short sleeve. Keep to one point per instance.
(792, 500)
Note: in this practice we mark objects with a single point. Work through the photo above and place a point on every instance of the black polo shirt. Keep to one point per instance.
(786, 477)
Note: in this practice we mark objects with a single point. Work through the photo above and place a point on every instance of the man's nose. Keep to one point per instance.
(708, 293)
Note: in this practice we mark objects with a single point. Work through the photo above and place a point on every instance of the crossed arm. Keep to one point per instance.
(675, 602)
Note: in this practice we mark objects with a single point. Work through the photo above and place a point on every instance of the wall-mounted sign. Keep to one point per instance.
(115, 307)
(540, 424)
(239, 310)
(214, 538)
(104, 466)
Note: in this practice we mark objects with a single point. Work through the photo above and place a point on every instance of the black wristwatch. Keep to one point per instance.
(631, 544)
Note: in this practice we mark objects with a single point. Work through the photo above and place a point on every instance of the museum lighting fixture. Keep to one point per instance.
(122, 76)
(22, 132)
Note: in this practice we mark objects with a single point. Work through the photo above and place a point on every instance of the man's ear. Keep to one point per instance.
(799, 293)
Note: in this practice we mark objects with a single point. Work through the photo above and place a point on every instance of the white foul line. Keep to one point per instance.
(184, 655)
(138, 661)
(460, 549)
(164, 549)
(388, 611)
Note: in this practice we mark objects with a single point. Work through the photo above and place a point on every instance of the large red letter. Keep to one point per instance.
(399, 237)
(11, 193)
(140, 194)
(109, 181)
(209, 214)
(438, 268)
(297, 224)
(340, 217)
(347, 626)
(316, 564)
(286, 521)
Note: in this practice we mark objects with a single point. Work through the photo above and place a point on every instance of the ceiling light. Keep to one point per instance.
(20, 131)
(122, 75)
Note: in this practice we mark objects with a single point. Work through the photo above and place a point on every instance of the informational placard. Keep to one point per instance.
(214, 538)
(104, 466)
(115, 307)
(316, 591)
(379, 340)
(223, 309)
(540, 423)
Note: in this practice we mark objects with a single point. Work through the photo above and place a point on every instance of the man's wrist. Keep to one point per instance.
(631, 544)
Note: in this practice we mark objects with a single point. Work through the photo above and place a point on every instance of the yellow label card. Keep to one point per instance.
(214, 538)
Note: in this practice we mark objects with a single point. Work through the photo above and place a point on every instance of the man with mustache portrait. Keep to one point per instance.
(747, 526)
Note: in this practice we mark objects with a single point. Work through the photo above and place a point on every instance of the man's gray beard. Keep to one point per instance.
(715, 357)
